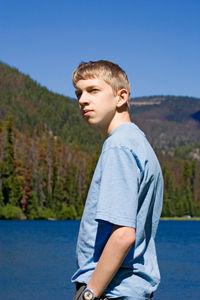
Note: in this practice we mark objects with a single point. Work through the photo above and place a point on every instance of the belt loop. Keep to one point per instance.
(79, 285)
(151, 296)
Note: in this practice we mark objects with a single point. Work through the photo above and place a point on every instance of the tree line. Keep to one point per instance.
(181, 185)
(41, 177)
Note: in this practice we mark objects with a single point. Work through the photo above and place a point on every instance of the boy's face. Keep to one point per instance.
(97, 102)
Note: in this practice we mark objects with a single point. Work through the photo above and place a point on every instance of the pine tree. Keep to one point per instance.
(169, 199)
(188, 195)
(7, 165)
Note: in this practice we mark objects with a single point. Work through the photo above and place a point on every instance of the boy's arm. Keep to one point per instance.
(115, 251)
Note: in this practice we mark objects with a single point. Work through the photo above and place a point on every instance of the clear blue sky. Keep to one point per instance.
(157, 42)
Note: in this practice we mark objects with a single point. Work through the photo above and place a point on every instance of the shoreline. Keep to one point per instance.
(161, 219)
(180, 219)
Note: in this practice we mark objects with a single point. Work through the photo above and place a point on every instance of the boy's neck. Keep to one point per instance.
(118, 119)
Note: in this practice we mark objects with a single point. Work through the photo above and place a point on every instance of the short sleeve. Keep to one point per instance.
(118, 194)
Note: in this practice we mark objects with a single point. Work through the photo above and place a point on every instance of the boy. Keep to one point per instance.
(116, 253)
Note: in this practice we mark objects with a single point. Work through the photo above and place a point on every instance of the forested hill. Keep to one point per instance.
(48, 154)
(34, 109)
(167, 121)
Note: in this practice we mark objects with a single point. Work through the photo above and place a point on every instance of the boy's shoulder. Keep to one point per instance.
(126, 135)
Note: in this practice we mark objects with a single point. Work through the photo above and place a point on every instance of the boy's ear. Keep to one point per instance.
(122, 97)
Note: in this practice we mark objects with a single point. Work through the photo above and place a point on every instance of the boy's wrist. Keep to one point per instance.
(89, 294)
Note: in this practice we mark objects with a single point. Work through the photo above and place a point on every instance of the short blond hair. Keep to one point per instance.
(110, 72)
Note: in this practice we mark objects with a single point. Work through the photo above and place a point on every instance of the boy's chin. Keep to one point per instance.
(96, 125)
(91, 121)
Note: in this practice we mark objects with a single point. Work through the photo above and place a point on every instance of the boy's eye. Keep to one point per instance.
(93, 90)
(78, 94)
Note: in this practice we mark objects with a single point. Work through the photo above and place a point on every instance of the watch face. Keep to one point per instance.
(88, 295)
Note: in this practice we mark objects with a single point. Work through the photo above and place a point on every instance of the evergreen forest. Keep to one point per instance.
(48, 154)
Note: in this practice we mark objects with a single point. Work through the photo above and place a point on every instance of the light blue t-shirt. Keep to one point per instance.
(127, 190)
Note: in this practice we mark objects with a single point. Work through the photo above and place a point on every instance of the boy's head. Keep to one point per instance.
(111, 73)
(103, 90)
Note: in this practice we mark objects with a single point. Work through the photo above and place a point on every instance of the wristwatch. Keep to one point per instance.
(88, 294)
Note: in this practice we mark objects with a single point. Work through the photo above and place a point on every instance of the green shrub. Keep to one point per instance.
(46, 213)
(33, 214)
(67, 212)
(11, 212)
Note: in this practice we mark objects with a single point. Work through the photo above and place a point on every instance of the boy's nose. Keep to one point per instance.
(83, 99)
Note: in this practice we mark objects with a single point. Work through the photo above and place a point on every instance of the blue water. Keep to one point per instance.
(37, 259)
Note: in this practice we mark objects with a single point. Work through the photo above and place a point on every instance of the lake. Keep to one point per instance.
(37, 259)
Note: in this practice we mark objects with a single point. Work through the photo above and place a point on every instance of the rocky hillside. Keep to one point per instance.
(168, 121)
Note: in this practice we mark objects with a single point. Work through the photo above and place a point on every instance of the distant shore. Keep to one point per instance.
(162, 219)
(180, 219)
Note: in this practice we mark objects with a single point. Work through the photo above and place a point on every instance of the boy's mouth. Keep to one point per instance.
(86, 112)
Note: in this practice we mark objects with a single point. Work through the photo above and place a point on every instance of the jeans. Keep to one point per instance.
(80, 288)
